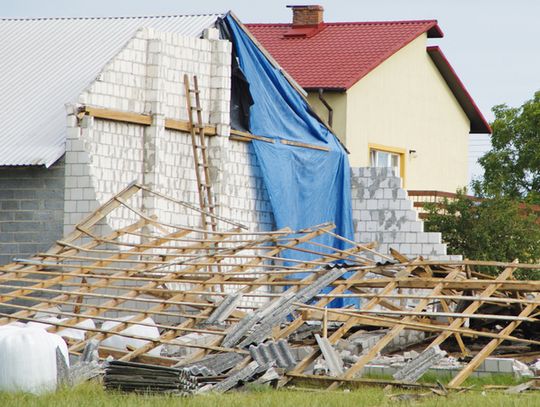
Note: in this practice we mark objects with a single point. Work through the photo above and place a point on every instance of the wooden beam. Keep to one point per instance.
(394, 332)
(490, 347)
(245, 136)
(473, 306)
(184, 126)
(304, 145)
(117, 115)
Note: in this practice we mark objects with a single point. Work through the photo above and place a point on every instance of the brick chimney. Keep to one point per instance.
(311, 15)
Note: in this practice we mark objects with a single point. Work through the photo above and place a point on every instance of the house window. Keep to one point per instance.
(380, 156)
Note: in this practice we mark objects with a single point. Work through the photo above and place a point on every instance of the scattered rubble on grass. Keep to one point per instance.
(177, 309)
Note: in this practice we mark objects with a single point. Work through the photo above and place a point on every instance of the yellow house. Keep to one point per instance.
(390, 98)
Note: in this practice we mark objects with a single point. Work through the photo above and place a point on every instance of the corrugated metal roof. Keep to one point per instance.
(46, 63)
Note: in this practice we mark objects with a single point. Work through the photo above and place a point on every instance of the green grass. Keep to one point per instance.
(92, 394)
(494, 380)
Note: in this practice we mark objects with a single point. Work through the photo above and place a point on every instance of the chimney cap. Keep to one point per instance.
(308, 6)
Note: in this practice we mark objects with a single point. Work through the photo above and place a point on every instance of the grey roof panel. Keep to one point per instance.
(46, 63)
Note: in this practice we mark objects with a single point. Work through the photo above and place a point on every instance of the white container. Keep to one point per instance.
(122, 343)
(28, 359)
(70, 333)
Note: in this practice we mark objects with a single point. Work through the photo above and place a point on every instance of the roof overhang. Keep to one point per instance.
(435, 31)
(479, 125)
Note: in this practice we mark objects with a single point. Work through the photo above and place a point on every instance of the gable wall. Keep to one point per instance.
(405, 103)
(147, 77)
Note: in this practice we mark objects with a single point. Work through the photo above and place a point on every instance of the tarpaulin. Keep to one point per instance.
(306, 186)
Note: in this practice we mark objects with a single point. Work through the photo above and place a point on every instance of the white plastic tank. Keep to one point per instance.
(28, 359)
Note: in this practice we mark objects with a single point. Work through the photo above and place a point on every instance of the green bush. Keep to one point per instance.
(499, 229)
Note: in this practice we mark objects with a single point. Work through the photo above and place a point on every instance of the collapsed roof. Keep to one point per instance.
(224, 304)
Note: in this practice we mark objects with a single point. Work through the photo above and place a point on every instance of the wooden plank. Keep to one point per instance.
(142, 119)
(459, 339)
(102, 283)
(428, 283)
(184, 126)
(267, 278)
(419, 326)
(342, 330)
(304, 145)
(359, 381)
(490, 347)
(159, 307)
(298, 322)
(244, 136)
(238, 135)
(117, 115)
(473, 306)
(385, 340)
(131, 294)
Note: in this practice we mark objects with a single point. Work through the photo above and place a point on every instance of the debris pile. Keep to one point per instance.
(231, 306)
(143, 378)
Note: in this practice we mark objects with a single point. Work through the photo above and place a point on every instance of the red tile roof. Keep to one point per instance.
(337, 55)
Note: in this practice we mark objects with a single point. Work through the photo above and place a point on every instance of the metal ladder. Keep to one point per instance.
(200, 154)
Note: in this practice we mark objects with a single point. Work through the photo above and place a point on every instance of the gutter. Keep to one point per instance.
(328, 107)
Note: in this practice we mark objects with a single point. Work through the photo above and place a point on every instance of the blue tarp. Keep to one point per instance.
(306, 187)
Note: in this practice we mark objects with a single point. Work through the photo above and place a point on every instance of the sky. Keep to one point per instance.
(494, 45)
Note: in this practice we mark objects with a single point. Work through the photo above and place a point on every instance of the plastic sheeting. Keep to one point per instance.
(306, 186)
(124, 343)
(28, 359)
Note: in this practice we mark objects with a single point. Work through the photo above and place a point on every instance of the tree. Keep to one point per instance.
(512, 166)
(499, 229)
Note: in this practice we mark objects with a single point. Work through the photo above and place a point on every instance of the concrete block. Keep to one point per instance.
(489, 365)
(406, 204)
(388, 194)
(405, 248)
(416, 249)
(372, 204)
(505, 365)
(411, 237)
(411, 215)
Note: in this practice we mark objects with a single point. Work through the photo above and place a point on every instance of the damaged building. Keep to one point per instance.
(209, 231)
(124, 118)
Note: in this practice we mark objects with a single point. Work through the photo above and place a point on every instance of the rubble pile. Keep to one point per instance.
(183, 309)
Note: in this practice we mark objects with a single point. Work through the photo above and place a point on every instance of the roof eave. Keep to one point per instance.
(325, 88)
(479, 124)
(435, 31)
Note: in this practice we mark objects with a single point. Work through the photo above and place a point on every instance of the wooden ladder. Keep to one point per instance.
(200, 154)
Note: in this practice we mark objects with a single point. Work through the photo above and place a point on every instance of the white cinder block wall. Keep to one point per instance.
(147, 77)
(383, 212)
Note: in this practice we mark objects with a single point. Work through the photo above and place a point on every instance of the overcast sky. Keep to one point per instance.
(494, 45)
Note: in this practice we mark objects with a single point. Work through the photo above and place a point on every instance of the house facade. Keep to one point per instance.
(393, 100)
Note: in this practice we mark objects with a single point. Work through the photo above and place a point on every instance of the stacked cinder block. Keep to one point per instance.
(383, 212)
(243, 192)
(31, 209)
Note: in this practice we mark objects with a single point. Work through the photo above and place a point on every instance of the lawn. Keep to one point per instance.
(92, 394)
